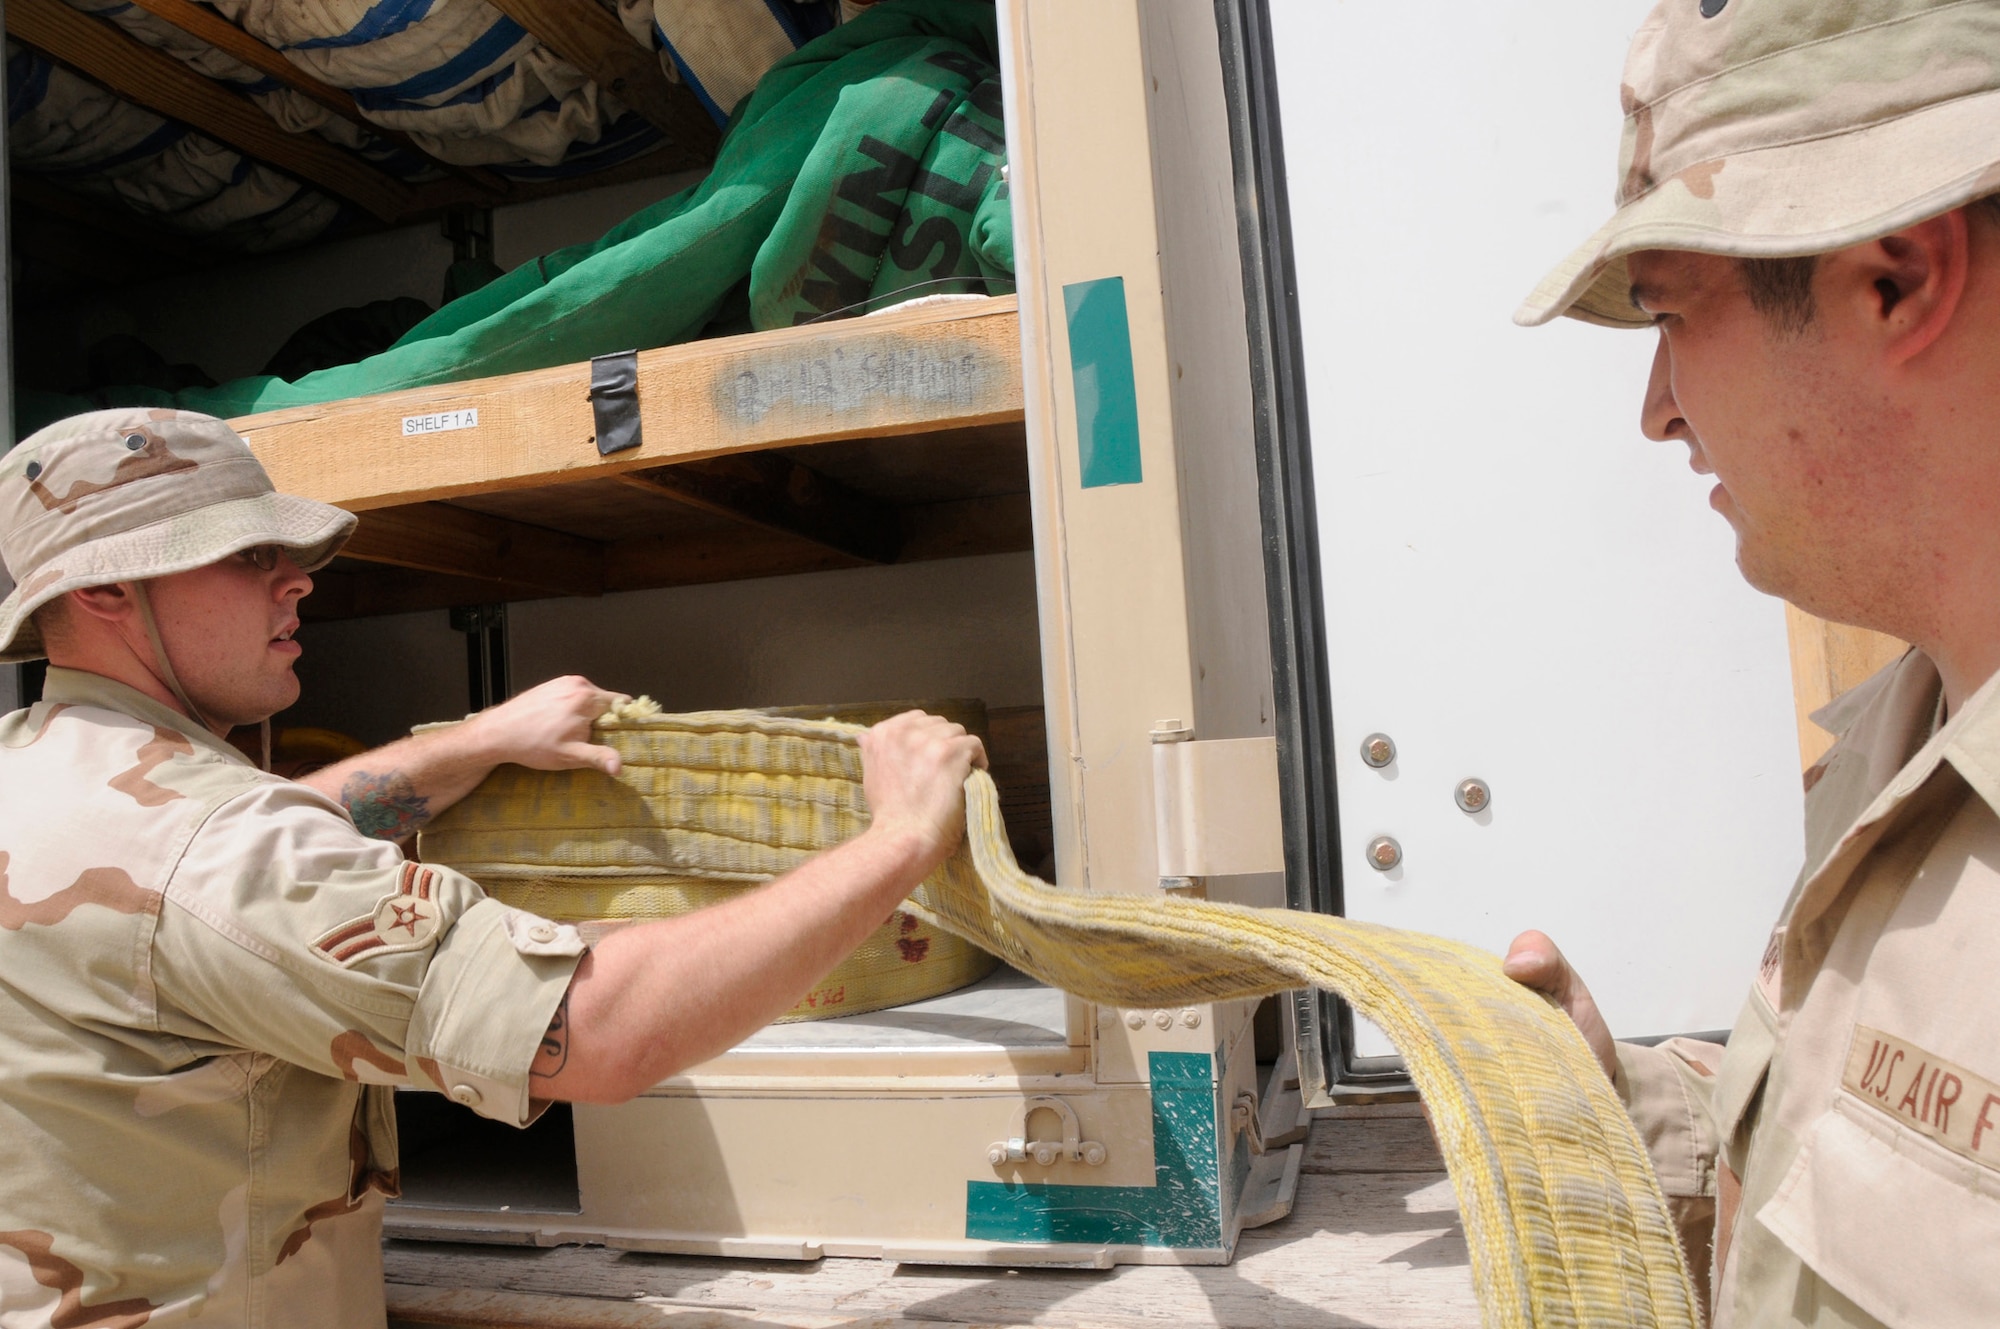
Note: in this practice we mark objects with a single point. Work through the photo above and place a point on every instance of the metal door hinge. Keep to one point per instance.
(1215, 805)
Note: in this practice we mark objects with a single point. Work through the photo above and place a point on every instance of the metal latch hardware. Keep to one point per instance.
(1243, 1118)
(1073, 1147)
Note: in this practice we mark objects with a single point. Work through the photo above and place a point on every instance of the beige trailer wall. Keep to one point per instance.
(954, 628)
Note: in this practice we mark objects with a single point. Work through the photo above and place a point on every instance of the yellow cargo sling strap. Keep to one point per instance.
(1562, 1212)
(579, 848)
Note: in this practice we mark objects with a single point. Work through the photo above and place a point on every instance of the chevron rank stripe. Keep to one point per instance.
(404, 920)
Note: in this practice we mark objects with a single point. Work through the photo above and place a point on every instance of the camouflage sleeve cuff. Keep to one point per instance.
(1668, 1091)
(487, 999)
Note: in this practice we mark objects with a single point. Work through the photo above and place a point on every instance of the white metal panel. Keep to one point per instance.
(1518, 586)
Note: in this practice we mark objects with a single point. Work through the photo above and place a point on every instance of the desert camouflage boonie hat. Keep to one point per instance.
(129, 494)
(1775, 128)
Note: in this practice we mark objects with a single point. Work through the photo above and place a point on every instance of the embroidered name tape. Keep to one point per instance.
(1930, 1095)
(406, 920)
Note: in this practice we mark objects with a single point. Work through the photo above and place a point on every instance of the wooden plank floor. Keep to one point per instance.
(1373, 1240)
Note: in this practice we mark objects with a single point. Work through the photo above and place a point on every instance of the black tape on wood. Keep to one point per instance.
(614, 401)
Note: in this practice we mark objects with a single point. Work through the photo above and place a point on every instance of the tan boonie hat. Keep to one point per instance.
(129, 494)
(1775, 128)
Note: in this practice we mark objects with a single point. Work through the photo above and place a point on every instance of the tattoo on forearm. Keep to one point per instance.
(554, 1051)
(385, 806)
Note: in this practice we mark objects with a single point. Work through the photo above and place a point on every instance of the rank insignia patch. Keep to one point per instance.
(404, 921)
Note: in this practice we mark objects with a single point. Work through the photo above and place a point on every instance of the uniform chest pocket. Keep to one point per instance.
(1892, 1220)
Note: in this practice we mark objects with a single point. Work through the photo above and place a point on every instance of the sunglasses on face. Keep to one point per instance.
(264, 558)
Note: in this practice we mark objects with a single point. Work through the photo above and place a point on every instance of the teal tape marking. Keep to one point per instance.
(1100, 362)
(1182, 1208)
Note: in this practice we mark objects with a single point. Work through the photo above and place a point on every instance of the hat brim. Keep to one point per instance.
(1810, 197)
(313, 532)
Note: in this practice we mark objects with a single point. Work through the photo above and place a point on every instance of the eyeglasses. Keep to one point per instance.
(262, 557)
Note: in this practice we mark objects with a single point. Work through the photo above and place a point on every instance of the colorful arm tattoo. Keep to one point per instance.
(387, 806)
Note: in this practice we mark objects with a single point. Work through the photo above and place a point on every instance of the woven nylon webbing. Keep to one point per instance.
(1563, 1214)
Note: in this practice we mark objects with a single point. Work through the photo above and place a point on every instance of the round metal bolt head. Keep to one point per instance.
(1134, 1020)
(1384, 853)
(1164, 1019)
(1191, 1018)
(1378, 750)
(1093, 1153)
(1472, 795)
(1045, 1153)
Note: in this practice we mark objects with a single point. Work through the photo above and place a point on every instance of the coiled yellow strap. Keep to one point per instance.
(1563, 1214)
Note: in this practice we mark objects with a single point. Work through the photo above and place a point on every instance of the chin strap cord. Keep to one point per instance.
(166, 667)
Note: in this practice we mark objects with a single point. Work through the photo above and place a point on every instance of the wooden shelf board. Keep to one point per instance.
(602, 510)
(416, 575)
(978, 462)
(781, 494)
(437, 537)
(924, 457)
(912, 471)
(964, 528)
(347, 588)
(921, 371)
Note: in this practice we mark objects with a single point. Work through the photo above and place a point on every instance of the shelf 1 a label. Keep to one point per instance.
(441, 422)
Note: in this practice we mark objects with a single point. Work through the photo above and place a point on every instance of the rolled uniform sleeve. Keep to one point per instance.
(485, 1005)
(286, 932)
(1668, 1090)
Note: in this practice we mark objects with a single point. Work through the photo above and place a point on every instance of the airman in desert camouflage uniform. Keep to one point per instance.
(1805, 213)
(210, 980)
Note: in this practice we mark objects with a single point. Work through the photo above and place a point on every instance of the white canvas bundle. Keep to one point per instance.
(101, 144)
(465, 82)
